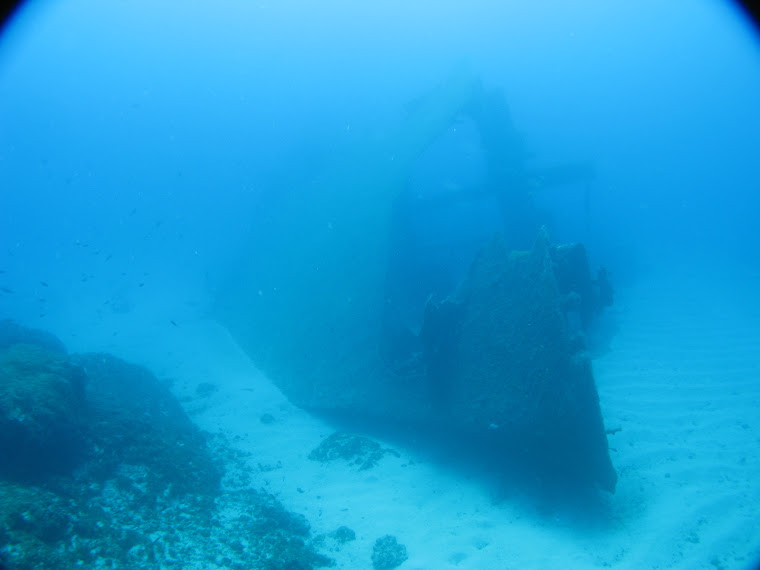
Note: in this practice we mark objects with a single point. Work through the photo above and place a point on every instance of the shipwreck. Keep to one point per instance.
(325, 302)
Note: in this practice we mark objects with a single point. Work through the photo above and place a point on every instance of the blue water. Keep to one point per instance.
(150, 133)
(142, 144)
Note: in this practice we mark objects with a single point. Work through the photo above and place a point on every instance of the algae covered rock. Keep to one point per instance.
(58, 411)
(388, 553)
(135, 420)
(13, 333)
(357, 450)
(143, 489)
(42, 411)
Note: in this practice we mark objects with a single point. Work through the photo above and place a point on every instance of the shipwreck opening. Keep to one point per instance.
(436, 228)
(472, 182)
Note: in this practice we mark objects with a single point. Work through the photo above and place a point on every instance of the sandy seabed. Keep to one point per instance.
(680, 386)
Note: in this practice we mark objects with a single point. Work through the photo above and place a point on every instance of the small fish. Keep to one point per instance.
(175, 324)
(109, 256)
(141, 285)
(5, 290)
(43, 284)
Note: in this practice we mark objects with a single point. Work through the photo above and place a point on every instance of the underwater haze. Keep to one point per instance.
(248, 198)
(151, 133)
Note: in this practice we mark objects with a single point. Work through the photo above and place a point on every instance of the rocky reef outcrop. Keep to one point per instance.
(42, 411)
(101, 467)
